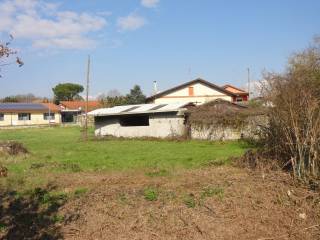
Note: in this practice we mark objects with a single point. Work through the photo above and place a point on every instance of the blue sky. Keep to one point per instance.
(139, 41)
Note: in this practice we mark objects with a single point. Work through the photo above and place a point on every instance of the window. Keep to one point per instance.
(135, 120)
(46, 116)
(24, 116)
(1, 117)
(191, 91)
(239, 99)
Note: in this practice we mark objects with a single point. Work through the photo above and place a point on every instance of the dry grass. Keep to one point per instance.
(250, 205)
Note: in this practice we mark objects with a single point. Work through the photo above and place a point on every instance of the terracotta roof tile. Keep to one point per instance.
(75, 105)
(53, 107)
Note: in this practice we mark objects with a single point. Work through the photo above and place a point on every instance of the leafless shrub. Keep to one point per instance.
(258, 160)
(12, 148)
(293, 133)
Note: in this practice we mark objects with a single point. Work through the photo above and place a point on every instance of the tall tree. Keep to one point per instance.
(136, 96)
(67, 92)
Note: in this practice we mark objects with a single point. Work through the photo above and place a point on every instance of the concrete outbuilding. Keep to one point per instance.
(145, 120)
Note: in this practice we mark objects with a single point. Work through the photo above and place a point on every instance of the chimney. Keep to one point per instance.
(155, 87)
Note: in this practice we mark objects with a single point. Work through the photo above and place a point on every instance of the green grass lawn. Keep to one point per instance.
(62, 149)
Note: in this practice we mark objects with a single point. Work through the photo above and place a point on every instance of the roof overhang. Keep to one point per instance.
(179, 111)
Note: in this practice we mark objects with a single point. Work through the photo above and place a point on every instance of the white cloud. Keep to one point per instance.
(65, 43)
(131, 22)
(46, 26)
(149, 3)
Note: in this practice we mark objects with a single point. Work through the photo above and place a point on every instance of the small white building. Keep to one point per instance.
(145, 120)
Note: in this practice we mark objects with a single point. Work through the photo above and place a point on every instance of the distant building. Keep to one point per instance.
(241, 95)
(198, 91)
(145, 120)
(24, 114)
(72, 110)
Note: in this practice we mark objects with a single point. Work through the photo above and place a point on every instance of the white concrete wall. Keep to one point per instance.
(161, 126)
(216, 133)
(11, 119)
(250, 130)
(202, 94)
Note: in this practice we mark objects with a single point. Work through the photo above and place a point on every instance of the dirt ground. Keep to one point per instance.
(210, 203)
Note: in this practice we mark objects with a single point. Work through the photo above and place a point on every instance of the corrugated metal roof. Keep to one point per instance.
(138, 109)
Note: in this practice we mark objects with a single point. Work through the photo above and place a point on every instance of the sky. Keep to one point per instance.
(140, 41)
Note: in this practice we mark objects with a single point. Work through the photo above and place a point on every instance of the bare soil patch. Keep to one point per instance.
(210, 203)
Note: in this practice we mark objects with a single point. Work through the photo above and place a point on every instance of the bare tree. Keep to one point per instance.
(293, 134)
(6, 54)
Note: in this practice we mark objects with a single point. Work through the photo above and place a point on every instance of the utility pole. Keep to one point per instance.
(85, 132)
(248, 69)
(49, 117)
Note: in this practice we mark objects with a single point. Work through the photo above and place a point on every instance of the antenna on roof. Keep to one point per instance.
(155, 87)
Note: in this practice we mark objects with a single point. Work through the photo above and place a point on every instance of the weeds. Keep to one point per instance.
(73, 167)
(189, 201)
(123, 198)
(158, 173)
(151, 194)
(216, 163)
(80, 191)
(37, 165)
(2, 227)
(212, 191)
(57, 218)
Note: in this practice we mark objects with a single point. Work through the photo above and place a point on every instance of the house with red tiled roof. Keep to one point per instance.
(198, 91)
(70, 110)
(241, 95)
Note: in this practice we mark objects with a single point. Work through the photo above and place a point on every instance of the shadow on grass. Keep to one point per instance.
(30, 216)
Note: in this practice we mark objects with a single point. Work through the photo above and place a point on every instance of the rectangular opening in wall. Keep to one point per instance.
(24, 116)
(47, 116)
(134, 120)
(191, 91)
(1, 117)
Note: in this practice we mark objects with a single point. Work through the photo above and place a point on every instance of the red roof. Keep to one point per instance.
(52, 107)
(235, 90)
(80, 105)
